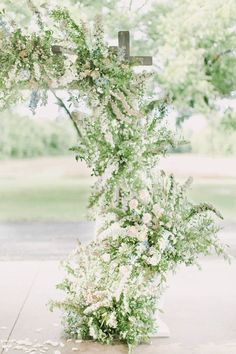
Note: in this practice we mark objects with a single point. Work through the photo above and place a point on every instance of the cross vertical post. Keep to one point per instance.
(124, 42)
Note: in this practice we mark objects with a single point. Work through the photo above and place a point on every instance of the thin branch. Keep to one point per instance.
(35, 11)
(143, 5)
(218, 56)
(62, 104)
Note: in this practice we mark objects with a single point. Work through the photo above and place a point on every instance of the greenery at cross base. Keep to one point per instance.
(66, 199)
(192, 41)
(22, 137)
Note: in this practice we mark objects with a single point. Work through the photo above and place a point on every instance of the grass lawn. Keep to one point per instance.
(220, 192)
(65, 199)
(59, 199)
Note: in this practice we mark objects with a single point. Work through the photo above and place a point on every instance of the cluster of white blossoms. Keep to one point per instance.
(120, 277)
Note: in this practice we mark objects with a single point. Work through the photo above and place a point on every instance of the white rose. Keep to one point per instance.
(106, 257)
(124, 270)
(144, 196)
(147, 218)
(158, 211)
(154, 260)
(133, 204)
(142, 236)
(132, 231)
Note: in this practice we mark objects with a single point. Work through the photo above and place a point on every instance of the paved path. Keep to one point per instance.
(41, 240)
(57, 166)
(55, 240)
(200, 309)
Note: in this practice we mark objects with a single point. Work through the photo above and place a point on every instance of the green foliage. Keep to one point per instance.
(43, 199)
(228, 121)
(195, 42)
(212, 139)
(22, 137)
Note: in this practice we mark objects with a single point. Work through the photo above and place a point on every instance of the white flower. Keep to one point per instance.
(143, 231)
(132, 319)
(158, 211)
(132, 231)
(113, 230)
(67, 78)
(37, 71)
(12, 74)
(144, 196)
(124, 270)
(163, 243)
(125, 273)
(92, 332)
(106, 257)
(142, 236)
(87, 72)
(112, 322)
(133, 204)
(95, 74)
(82, 75)
(99, 90)
(24, 75)
(147, 218)
(168, 224)
(109, 138)
(154, 260)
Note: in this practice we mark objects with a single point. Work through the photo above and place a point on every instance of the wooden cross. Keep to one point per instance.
(123, 44)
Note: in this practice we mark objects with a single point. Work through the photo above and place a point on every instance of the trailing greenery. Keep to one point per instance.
(145, 225)
(114, 284)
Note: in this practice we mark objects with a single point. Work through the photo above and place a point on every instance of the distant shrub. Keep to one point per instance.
(22, 137)
(218, 138)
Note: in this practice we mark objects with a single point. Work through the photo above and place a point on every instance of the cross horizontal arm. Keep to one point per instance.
(141, 60)
(124, 45)
(57, 49)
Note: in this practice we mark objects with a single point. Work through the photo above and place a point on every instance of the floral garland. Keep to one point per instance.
(145, 226)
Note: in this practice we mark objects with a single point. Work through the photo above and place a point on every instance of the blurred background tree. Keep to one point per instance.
(195, 48)
(24, 137)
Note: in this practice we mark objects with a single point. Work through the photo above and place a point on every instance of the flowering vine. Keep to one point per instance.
(145, 226)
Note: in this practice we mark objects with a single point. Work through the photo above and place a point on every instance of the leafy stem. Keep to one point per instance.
(62, 104)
